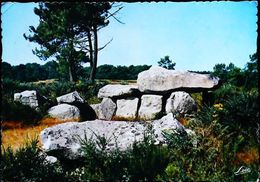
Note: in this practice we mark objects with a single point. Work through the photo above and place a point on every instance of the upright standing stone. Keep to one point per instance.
(96, 107)
(180, 102)
(151, 105)
(106, 109)
(127, 108)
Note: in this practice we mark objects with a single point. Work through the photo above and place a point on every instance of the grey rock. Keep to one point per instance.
(96, 107)
(127, 108)
(64, 112)
(51, 159)
(64, 139)
(151, 105)
(117, 90)
(27, 97)
(70, 98)
(180, 102)
(158, 79)
(166, 123)
(106, 109)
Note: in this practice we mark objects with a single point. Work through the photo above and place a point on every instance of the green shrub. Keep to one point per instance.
(225, 91)
(145, 161)
(240, 111)
(240, 114)
(52, 90)
(27, 164)
(99, 164)
(15, 111)
(213, 158)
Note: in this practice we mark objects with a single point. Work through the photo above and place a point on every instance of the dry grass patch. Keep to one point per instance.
(46, 81)
(248, 156)
(15, 134)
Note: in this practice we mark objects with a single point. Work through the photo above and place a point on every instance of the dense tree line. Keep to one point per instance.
(118, 72)
(246, 77)
(30, 72)
(51, 70)
(242, 77)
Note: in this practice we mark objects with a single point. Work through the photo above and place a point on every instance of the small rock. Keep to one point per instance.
(51, 159)
(64, 112)
(70, 98)
(27, 97)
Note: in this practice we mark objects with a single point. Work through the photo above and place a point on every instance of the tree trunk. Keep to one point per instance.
(95, 56)
(90, 49)
(70, 61)
(70, 73)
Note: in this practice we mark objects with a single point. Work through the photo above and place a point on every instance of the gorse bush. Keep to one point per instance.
(240, 110)
(224, 92)
(147, 161)
(99, 164)
(15, 111)
(52, 90)
(28, 164)
(144, 161)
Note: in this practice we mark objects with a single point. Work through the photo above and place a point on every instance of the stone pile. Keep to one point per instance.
(67, 108)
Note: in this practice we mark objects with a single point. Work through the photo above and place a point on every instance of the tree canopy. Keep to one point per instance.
(68, 32)
(166, 63)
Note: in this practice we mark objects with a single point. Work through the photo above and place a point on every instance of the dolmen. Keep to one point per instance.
(126, 111)
(158, 91)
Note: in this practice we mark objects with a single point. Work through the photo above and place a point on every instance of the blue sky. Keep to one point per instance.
(196, 35)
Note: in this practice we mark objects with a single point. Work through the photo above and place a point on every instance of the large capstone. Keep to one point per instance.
(27, 97)
(151, 106)
(64, 112)
(180, 103)
(106, 109)
(110, 91)
(158, 79)
(127, 108)
(70, 98)
(64, 140)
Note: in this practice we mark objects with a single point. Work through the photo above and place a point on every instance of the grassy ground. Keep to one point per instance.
(122, 82)
(15, 135)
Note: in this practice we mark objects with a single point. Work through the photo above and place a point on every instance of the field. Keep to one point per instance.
(15, 135)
